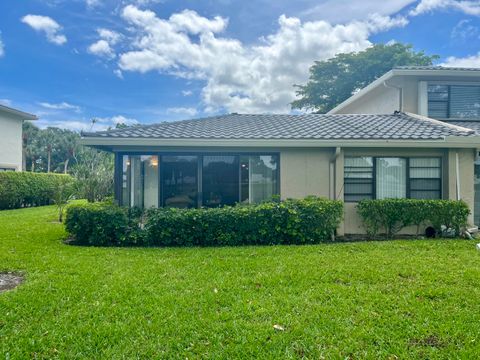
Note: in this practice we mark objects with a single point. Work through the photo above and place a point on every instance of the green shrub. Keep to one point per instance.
(392, 215)
(311, 220)
(25, 189)
(102, 224)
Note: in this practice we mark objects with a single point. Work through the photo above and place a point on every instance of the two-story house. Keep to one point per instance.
(11, 141)
(451, 95)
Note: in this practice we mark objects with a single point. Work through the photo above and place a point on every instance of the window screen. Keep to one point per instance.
(425, 178)
(358, 178)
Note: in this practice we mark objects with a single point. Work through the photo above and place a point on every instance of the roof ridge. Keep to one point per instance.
(441, 123)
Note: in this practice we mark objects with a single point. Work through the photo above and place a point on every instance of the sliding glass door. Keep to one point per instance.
(179, 181)
(220, 180)
(188, 181)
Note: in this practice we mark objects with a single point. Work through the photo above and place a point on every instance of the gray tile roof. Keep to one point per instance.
(435, 68)
(309, 126)
(472, 124)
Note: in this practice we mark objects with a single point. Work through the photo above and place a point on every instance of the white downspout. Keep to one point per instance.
(400, 94)
(457, 173)
(333, 172)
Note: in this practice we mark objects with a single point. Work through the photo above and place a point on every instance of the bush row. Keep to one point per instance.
(392, 215)
(24, 189)
(306, 221)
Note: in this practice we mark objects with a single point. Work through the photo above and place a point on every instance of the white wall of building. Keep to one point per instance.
(10, 142)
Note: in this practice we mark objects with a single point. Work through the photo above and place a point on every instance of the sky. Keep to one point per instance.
(147, 61)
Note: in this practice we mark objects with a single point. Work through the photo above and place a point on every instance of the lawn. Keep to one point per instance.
(405, 299)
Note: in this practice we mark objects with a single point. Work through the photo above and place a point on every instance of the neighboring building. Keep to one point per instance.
(11, 121)
(451, 95)
(248, 158)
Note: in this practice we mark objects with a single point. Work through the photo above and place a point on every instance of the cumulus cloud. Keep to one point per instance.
(187, 92)
(46, 25)
(470, 7)
(469, 61)
(104, 46)
(59, 106)
(188, 111)
(240, 77)
(6, 102)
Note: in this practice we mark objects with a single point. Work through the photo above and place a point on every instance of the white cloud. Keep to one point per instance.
(188, 111)
(118, 73)
(470, 7)
(187, 92)
(60, 106)
(47, 25)
(103, 47)
(464, 30)
(240, 77)
(469, 61)
(6, 102)
(92, 3)
(338, 11)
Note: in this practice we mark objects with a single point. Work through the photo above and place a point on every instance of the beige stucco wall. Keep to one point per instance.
(352, 223)
(305, 172)
(11, 142)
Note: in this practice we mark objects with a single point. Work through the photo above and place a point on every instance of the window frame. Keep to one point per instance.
(372, 179)
(407, 174)
(448, 100)
(119, 161)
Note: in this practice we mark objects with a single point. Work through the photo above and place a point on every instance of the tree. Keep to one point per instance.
(48, 140)
(94, 173)
(31, 147)
(62, 196)
(334, 80)
(67, 148)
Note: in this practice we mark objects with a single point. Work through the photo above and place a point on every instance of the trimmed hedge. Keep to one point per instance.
(392, 215)
(25, 189)
(307, 221)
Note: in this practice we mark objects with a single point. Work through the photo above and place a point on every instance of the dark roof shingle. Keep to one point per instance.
(308, 126)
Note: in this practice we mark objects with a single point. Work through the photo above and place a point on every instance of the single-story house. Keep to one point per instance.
(248, 158)
(11, 145)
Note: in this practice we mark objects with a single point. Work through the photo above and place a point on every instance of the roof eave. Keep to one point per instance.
(18, 113)
(447, 142)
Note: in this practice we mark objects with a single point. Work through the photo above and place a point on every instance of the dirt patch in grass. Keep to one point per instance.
(429, 341)
(9, 281)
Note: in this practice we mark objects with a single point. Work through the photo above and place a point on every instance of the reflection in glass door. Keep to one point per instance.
(179, 181)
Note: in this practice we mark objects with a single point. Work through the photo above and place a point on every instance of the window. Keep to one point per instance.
(454, 101)
(187, 181)
(425, 178)
(358, 175)
(392, 177)
(140, 181)
(179, 180)
(220, 180)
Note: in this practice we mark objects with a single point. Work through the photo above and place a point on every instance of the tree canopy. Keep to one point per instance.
(334, 80)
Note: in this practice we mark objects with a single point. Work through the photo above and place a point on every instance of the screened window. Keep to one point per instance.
(454, 101)
(425, 178)
(220, 180)
(358, 178)
(392, 178)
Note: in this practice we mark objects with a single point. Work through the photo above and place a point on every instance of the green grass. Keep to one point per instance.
(410, 299)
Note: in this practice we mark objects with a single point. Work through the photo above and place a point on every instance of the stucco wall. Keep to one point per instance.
(385, 100)
(305, 172)
(11, 142)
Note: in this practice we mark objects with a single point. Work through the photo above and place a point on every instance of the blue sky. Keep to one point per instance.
(145, 61)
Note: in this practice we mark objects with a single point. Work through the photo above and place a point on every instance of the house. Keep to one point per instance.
(248, 158)
(451, 95)
(11, 121)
